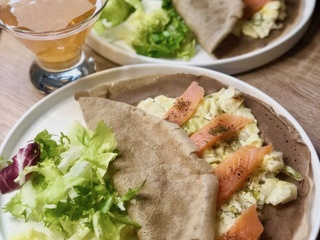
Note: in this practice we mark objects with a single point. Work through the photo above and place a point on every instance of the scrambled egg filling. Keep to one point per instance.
(264, 21)
(263, 187)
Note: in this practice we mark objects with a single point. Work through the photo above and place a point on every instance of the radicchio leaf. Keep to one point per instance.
(26, 156)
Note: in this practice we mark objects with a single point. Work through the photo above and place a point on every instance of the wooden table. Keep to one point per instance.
(293, 80)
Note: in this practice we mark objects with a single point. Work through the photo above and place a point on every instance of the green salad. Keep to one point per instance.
(70, 194)
(151, 28)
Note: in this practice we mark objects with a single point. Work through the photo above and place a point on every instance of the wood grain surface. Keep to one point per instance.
(293, 80)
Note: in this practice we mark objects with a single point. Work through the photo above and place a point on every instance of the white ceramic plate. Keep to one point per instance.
(58, 110)
(231, 65)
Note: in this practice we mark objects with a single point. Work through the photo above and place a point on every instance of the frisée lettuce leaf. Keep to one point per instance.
(70, 190)
(116, 11)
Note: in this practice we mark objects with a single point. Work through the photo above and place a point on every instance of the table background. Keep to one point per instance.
(293, 80)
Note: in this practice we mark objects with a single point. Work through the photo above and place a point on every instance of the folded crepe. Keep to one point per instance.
(178, 200)
(210, 20)
(286, 221)
(213, 20)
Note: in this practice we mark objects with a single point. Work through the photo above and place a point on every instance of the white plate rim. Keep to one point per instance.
(231, 65)
(9, 145)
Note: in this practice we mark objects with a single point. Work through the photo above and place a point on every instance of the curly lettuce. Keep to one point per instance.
(151, 28)
(70, 192)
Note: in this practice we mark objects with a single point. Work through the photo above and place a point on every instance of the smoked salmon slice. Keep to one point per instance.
(220, 127)
(246, 227)
(236, 169)
(185, 105)
(253, 6)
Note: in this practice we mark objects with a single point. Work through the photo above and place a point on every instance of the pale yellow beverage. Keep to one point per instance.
(53, 51)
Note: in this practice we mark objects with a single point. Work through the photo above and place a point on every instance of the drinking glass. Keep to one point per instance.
(54, 30)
